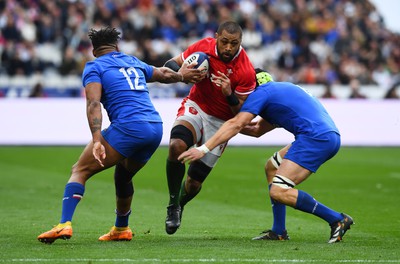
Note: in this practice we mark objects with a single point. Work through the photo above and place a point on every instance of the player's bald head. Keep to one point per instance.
(231, 27)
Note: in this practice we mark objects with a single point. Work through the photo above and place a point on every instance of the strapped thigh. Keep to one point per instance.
(183, 133)
(199, 171)
(283, 182)
(276, 159)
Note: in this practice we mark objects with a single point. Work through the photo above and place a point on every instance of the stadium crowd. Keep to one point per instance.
(326, 42)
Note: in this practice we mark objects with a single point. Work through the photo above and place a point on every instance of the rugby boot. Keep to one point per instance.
(271, 235)
(339, 228)
(117, 234)
(173, 220)
(63, 231)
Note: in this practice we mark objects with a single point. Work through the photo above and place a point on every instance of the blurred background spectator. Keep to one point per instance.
(392, 92)
(37, 91)
(328, 93)
(355, 90)
(310, 42)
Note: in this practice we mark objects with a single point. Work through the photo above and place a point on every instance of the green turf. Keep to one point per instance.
(217, 226)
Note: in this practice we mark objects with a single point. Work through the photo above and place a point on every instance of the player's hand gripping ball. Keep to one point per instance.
(202, 61)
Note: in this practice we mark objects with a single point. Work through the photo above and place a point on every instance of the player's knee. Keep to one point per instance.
(181, 140)
(280, 185)
(74, 168)
(198, 171)
(176, 147)
(81, 173)
(277, 193)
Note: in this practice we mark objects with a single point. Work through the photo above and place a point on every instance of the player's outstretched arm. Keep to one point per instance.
(257, 128)
(227, 131)
(185, 74)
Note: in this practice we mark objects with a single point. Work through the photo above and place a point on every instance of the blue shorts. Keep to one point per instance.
(311, 153)
(136, 140)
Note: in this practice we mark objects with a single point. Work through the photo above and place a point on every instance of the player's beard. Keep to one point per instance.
(226, 57)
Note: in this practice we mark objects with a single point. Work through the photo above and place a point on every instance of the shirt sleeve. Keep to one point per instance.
(203, 45)
(246, 86)
(90, 74)
(255, 102)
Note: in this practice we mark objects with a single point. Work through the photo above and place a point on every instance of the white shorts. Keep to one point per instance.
(205, 126)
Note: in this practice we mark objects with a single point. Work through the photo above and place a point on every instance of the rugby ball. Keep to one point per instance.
(201, 58)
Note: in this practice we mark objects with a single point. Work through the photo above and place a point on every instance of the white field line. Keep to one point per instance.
(212, 260)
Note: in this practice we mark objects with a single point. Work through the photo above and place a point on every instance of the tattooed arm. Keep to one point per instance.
(95, 119)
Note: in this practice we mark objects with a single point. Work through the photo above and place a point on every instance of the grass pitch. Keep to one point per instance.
(217, 226)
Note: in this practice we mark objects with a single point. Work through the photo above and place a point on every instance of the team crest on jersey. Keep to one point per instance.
(193, 111)
(229, 72)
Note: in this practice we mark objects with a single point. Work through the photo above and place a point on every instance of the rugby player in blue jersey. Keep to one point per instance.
(118, 82)
(317, 139)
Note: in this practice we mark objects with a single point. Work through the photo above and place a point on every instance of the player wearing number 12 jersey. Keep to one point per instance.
(118, 81)
(203, 111)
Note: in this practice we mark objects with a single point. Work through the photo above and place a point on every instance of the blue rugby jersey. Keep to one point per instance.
(125, 94)
(291, 107)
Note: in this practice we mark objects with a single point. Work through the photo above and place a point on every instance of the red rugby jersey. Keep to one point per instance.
(209, 96)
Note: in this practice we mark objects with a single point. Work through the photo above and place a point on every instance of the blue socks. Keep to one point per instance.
(122, 220)
(73, 193)
(279, 212)
(305, 203)
(308, 204)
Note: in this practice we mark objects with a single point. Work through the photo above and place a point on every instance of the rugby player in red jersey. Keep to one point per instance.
(203, 112)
